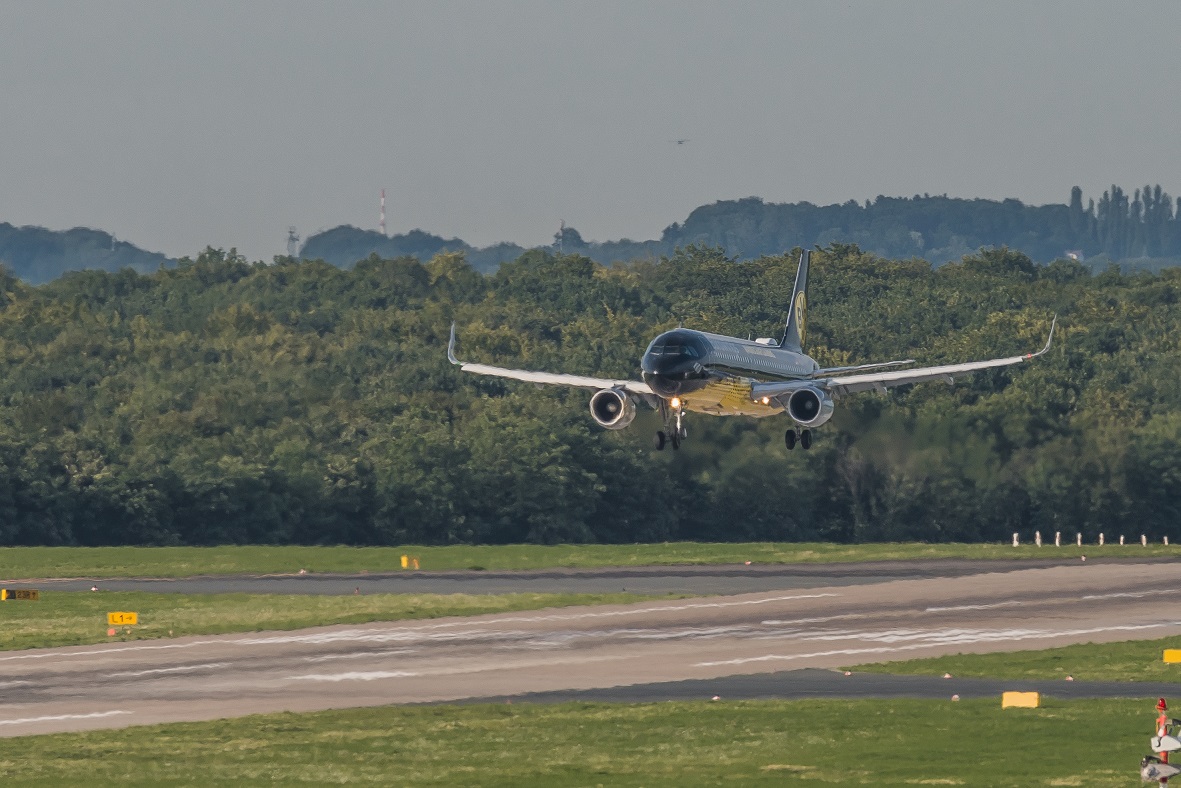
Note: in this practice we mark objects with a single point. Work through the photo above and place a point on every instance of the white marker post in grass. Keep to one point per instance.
(1016, 541)
(1057, 538)
(1078, 539)
(1100, 538)
(1037, 538)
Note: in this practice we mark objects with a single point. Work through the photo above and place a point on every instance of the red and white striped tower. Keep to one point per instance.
(383, 211)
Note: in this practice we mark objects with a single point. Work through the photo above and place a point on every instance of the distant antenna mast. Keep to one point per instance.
(383, 213)
(292, 242)
(561, 236)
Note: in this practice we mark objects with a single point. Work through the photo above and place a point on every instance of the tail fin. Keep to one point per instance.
(797, 321)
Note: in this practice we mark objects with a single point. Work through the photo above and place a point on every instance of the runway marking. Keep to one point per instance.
(943, 637)
(14, 683)
(1125, 595)
(772, 622)
(355, 676)
(392, 652)
(58, 717)
(956, 608)
(156, 671)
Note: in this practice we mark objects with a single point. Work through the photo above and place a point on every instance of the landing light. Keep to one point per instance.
(766, 400)
(676, 402)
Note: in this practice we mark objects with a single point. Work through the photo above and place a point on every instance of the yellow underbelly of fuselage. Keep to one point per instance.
(728, 397)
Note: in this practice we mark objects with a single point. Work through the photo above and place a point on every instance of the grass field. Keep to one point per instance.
(71, 619)
(100, 562)
(880, 743)
(1131, 660)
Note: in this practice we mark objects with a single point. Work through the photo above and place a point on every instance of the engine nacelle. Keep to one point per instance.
(810, 407)
(612, 408)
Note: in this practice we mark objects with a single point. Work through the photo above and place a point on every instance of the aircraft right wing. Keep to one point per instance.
(547, 378)
(850, 384)
(880, 381)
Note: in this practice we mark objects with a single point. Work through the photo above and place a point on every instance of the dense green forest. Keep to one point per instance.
(227, 402)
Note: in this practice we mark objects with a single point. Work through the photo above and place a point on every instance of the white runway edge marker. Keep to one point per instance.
(355, 676)
(58, 717)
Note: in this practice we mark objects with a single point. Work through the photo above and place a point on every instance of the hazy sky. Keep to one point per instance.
(180, 125)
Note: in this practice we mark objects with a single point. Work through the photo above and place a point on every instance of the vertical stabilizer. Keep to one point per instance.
(796, 332)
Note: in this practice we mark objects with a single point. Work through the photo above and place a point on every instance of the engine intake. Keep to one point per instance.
(810, 407)
(612, 408)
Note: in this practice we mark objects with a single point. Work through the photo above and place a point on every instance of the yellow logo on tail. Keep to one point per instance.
(802, 316)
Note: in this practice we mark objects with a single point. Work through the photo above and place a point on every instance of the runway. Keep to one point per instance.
(703, 580)
(572, 649)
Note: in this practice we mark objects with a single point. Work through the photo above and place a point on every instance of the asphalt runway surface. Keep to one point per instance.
(724, 645)
(702, 580)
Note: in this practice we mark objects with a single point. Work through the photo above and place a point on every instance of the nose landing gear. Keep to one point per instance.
(674, 424)
(796, 435)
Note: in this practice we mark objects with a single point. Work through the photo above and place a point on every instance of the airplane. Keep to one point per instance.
(685, 370)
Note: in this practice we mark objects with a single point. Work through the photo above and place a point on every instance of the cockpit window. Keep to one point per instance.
(676, 350)
(677, 344)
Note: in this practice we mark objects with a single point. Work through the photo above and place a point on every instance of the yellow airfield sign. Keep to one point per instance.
(122, 619)
(19, 593)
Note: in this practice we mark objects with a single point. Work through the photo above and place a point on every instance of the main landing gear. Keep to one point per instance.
(796, 435)
(673, 424)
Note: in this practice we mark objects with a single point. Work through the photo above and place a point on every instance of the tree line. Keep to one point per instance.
(223, 401)
(1140, 231)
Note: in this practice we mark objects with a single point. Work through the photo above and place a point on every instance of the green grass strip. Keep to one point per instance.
(751, 743)
(106, 562)
(1129, 660)
(65, 618)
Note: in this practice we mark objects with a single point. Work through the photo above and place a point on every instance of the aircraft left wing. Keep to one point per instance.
(547, 378)
(850, 384)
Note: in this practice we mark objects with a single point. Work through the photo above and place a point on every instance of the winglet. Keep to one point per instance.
(1049, 339)
(451, 348)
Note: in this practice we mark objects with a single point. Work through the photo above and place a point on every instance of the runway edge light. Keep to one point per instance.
(1019, 700)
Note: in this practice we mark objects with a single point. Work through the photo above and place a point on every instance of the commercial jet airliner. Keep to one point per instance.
(686, 370)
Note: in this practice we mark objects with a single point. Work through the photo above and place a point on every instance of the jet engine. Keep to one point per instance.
(612, 408)
(810, 407)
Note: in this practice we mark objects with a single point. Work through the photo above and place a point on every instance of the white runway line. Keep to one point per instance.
(355, 676)
(929, 639)
(957, 608)
(158, 671)
(58, 717)
(391, 652)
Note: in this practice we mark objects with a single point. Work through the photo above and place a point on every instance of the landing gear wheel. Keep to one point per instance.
(676, 440)
(789, 439)
(658, 441)
(806, 439)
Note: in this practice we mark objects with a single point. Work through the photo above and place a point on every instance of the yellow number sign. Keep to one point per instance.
(19, 593)
(122, 619)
